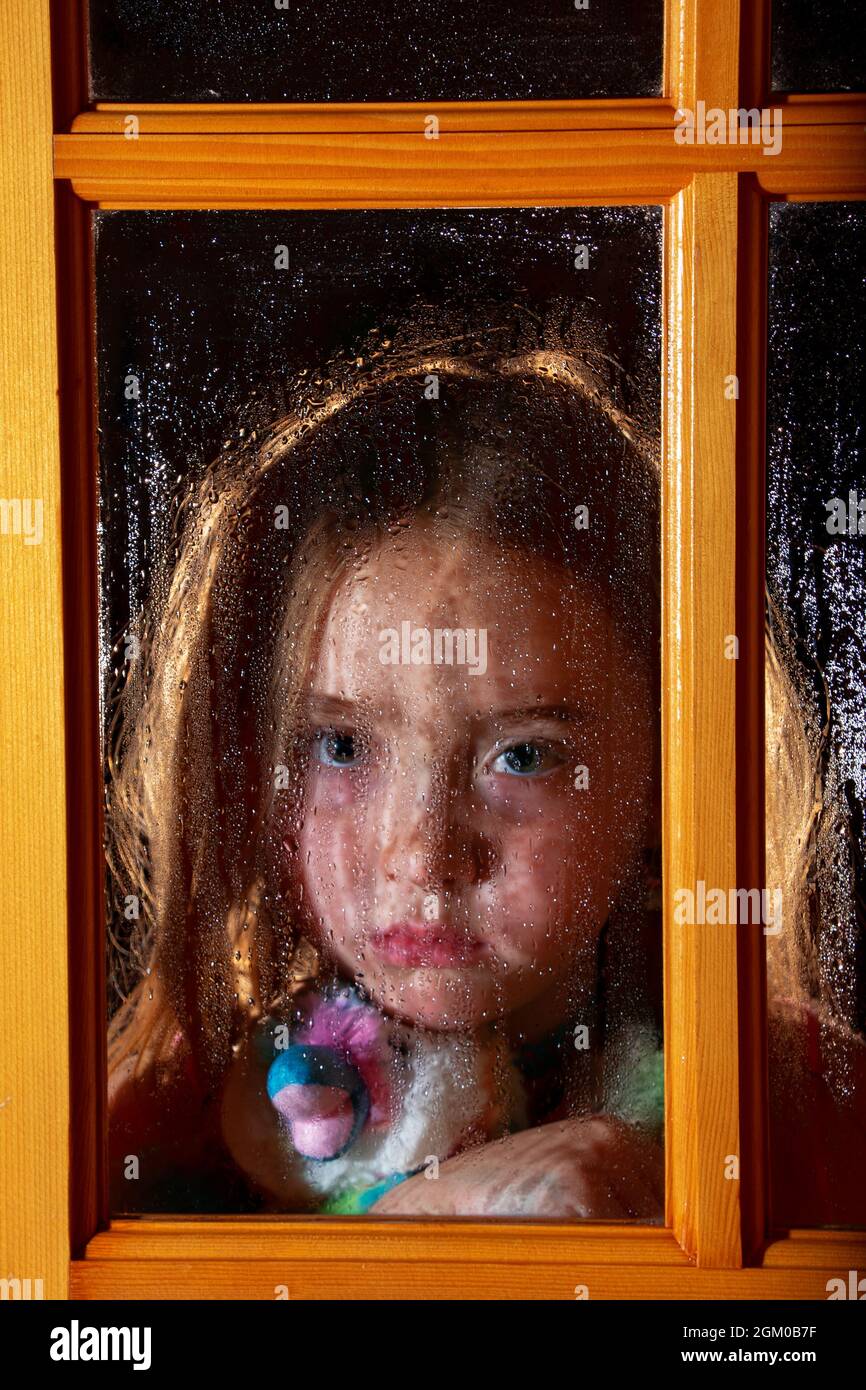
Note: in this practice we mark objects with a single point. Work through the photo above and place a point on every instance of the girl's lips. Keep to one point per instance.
(413, 945)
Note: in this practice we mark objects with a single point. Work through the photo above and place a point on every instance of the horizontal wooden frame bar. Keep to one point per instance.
(335, 118)
(837, 108)
(815, 185)
(248, 1259)
(239, 1280)
(819, 196)
(398, 1239)
(355, 204)
(836, 1250)
(471, 168)
(385, 1239)
(649, 113)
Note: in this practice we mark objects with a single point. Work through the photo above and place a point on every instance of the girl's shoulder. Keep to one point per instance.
(563, 1078)
(817, 1100)
(165, 1147)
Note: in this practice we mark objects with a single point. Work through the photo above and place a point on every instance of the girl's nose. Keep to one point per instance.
(431, 844)
(440, 859)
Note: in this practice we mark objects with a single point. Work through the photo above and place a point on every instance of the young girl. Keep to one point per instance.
(384, 792)
(384, 788)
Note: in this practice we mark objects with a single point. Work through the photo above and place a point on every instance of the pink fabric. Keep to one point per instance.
(319, 1117)
(359, 1032)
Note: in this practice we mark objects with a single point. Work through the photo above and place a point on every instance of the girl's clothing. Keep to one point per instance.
(817, 1074)
(366, 1102)
(817, 1159)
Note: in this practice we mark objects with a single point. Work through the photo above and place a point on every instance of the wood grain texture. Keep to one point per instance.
(831, 108)
(359, 1259)
(831, 1250)
(754, 56)
(362, 1239)
(34, 1080)
(238, 1279)
(647, 113)
(752, 216)
(477, 168)
(714, 75)
(394, 118)
(699, 816)
(843, 179)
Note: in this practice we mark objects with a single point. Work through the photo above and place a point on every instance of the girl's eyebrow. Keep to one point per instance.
(573, 714)
(326, 706)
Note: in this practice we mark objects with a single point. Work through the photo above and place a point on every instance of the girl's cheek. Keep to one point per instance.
(516, 799)
(564, 796)
(333, 831)
(331, 790)
(556, 865)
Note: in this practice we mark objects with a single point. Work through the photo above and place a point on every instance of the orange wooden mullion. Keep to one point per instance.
(751, 742)
(699, 539)
(699, 693)
(34, 997)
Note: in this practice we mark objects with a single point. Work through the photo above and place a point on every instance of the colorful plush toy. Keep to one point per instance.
(366, 1101)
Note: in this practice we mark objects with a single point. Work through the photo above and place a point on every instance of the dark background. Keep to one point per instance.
(431, 50)
(190, 302)
(815, 46)
(376, 50)
(815, 431)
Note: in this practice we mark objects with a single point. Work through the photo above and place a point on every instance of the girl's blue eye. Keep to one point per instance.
(524, 760)
(337, 749)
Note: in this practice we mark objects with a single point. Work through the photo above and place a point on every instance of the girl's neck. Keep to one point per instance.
(529, 1024)
(540, 1017)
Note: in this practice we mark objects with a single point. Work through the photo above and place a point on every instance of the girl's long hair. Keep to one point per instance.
(502, 421)
(817, 961)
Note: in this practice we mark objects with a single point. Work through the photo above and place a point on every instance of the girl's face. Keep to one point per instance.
(466, 827)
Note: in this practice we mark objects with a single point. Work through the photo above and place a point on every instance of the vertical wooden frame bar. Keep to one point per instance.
(679, 51)
(699, 683)
(755, 54)
(88, 1133)
(699, 826)
(34, 1103)
(752, 230)
(702, 56)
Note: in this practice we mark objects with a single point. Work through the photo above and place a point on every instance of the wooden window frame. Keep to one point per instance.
(60, 159)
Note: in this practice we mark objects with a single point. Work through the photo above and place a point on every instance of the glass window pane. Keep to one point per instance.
(385, 50)
(816, 711)
(380, 615)
(814, 48)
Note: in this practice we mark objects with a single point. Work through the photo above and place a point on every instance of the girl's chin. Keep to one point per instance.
(443, 1004)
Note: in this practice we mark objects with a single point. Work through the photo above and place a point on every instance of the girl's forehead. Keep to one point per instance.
(458, 569)
(463, 620)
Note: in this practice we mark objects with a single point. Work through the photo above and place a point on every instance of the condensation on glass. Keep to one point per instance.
(379, 555)
(814, 48)
(386, 50)
(816, 711)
